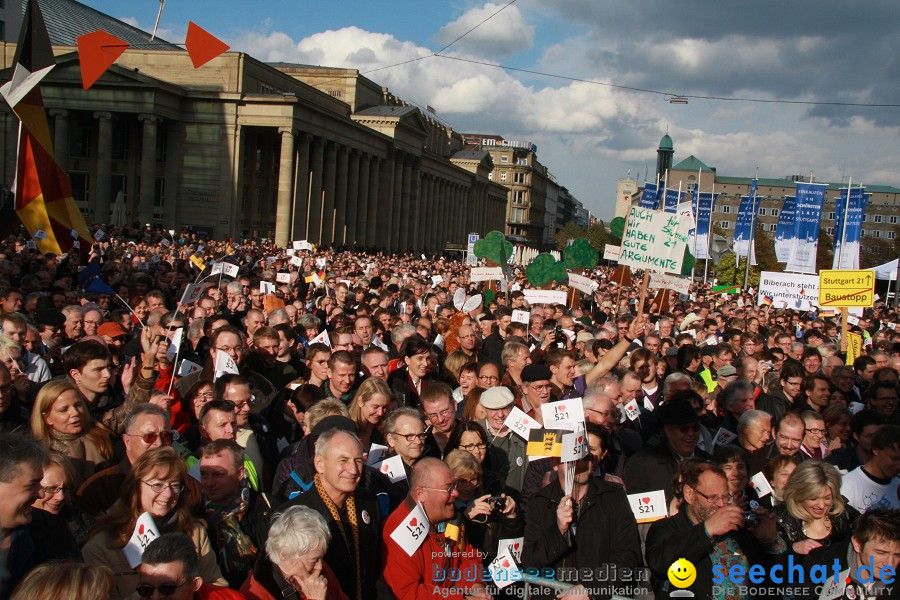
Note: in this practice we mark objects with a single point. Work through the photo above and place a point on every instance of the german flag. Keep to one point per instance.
(544, 442)
(43, 193)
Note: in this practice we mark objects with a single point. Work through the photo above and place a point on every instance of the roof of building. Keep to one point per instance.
(68, 19)
(790, 183)
(666, 143)
(470, 155)
(692, 163)
(387, 111)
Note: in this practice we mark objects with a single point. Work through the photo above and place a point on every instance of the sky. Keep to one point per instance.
(588, 132)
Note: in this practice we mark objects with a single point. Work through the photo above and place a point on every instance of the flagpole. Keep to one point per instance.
(709, 232)
(696, 226)
(844, 224)
(752, 229)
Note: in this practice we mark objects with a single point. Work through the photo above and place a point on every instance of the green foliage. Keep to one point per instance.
(544, 269)
(569, 231)
(727, 273)
(765, 252)
(617, 227)
(580, 255)
(494, 247)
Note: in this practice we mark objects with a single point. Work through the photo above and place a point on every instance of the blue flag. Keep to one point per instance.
(672, 199)
(98, 286)
(648, 196)
(784, 231)
(89, 272)
(810, 198)
(703, 210)
(847, 237)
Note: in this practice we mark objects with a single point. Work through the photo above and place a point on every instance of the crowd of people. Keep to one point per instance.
(335, 423)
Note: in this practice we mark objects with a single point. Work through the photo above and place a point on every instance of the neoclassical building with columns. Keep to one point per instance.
(239, 147)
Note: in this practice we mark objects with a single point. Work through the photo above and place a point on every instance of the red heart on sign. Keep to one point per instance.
(516, 547)
(385, 468)
(505, 563)
(646, 499)
(580, 438)
(413, 522)
(561, 407)
(141, 529)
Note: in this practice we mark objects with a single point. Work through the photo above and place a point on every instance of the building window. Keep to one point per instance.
(81, 190)
(892, 219)
(119, 147)
(762, 211)
(878, 218)
(491, 176)
(159, 197)
(162, 142)
(891, 235)
(502, 175)
(877, 233)
(520, 197)
(725, 224)
(726, 209)
(335, 93)
(776, 212)
(260, 200)
(522, 162)
(79, 139)
(830, 216)
(245, 199)
(504, 160)
(520, 177)
(829, 230)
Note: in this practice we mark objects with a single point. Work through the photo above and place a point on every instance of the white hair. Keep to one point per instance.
(294, 533)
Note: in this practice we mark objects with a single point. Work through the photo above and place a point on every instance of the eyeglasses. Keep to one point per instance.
(541, 388)
(449, 490)
(148, 438)
(158, 487)
(51, 490)
(604, 413)
(145, 590)
(238, 407)
(410, 437)
(688, 428)
(227, 350)
(439, 415)
(715, 499)
(815, 431)
(206, 395)
(470, 447)
(489, 377)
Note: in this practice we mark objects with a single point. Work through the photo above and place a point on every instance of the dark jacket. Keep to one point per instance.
(47, 538)
(404, 391)
(677, 537)
(791, 528)
(605, 532)
(652, 469)
(255, 523)
(843, 553)
(340, 556)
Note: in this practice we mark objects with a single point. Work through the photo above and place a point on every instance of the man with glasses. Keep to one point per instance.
(507, 451)
(790, 396)
(425, 573)
(404, 432)
(252, 431)
(170, 569)
(537, 389)
(440, 410)
(468, 342)
(654, 468)
(712, 533)
(488, 375)
(600, 409)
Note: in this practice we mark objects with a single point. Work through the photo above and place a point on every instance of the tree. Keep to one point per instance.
(494, 247)
(579, 255)
(544, 269)
(599, 237)
(875, 251)
(765, 252)
(824, 251)
(727, 273)
(569, 231)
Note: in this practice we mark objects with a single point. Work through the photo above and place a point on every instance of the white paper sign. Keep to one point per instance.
(322, 338)
(393, 468)
(564, 414)
(583, 284)
(574, 446)
(485, 273)
(855, 407)
(761, 485)
(30, 245)
(376, 453)
(791, 290)
(192, 292)
(40, 234)
(514, 545)
(216, 269)
(654, 240)
(99, 235)
(833, 589)
(665, 281)
(187, 367)
(174, 345)
(520, 316)
(648, 506)
(412, 530)
(648, 405)
(611, 252)
(853, 320)
(321, 263)
(296, 261)
(520, 422)
(266, 287)
(302, 245)
(436, 280)
(504, 570)
(145, 531)
(229, 269)
(166, 242)
(224, 364)
(283, 277)
(632, 410)
(545, 296)
(723, 437)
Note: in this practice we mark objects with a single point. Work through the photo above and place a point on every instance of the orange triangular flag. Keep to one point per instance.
(96, 52)
(202, 45)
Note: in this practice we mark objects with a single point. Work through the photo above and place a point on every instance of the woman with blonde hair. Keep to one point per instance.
(814, 513)
(66, 581)
(368, 409)
(154, 485)
(453, 364)
(60, 420)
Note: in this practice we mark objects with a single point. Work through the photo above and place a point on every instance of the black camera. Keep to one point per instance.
(559, 337)
(497, 504)
(751, 519)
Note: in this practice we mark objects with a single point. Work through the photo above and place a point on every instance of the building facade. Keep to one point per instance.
(243, 148)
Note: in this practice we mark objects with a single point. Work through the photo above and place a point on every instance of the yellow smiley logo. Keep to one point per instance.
(682, 573)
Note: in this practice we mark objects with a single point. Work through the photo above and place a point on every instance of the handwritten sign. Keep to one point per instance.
(788, 290)
(670, 282)
(654, 240)
(485, 273)
(611, 252)
(545, 296)
(583, 284)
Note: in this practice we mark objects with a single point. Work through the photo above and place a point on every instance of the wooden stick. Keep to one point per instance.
(643, 296)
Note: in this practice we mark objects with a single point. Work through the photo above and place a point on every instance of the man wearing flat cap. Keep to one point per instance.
(537, 389)
(507, 450)
(654, 467)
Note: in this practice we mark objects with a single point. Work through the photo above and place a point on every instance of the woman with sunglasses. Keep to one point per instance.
(155, 485)
(60, 420)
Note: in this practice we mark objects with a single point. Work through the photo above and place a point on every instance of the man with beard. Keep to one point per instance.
(354, 554)
(711, 532)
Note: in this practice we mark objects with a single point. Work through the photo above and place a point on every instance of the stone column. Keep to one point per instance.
(375, 200)
(385, 204)
(172, 166)
(328, 185)
(363, 199)
(405, 221)
(353, 207)
(61, 136)
(415, 206)
(317, 160)
(428, 215)
(340, 195)
(148, 167)
(396, 205)
(299, 228)
(100, 207)
(283, 217)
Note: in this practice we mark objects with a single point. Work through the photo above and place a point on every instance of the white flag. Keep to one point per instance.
(224, 364)
(145, 531)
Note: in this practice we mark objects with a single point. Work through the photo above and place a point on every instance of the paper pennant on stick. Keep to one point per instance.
(97, 51)
(202, 45)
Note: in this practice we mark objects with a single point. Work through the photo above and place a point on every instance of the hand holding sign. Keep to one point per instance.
(145, 531)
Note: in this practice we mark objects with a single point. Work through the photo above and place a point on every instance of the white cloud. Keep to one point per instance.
(506, 33)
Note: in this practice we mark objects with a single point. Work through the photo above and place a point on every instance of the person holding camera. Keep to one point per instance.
(710, 531)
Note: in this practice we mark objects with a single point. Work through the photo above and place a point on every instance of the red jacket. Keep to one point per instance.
(216, 592)
(253, 589)
(415, 577)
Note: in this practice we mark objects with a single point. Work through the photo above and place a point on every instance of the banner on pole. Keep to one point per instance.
(703, 208)
(743, 228)
(847, 237)
(672, 199)
(810, 198)
(788, 290)
(784, 231)
(648, 196)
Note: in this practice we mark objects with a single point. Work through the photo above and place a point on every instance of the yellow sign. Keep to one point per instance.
(854, 347)
(846, 288)
(198, 262)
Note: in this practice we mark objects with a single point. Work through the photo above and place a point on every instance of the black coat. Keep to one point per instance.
(339, 556)
(605, 532)
(255, 523)
(677, 537)
(404, 392)
(653, 469)
(826, 555)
